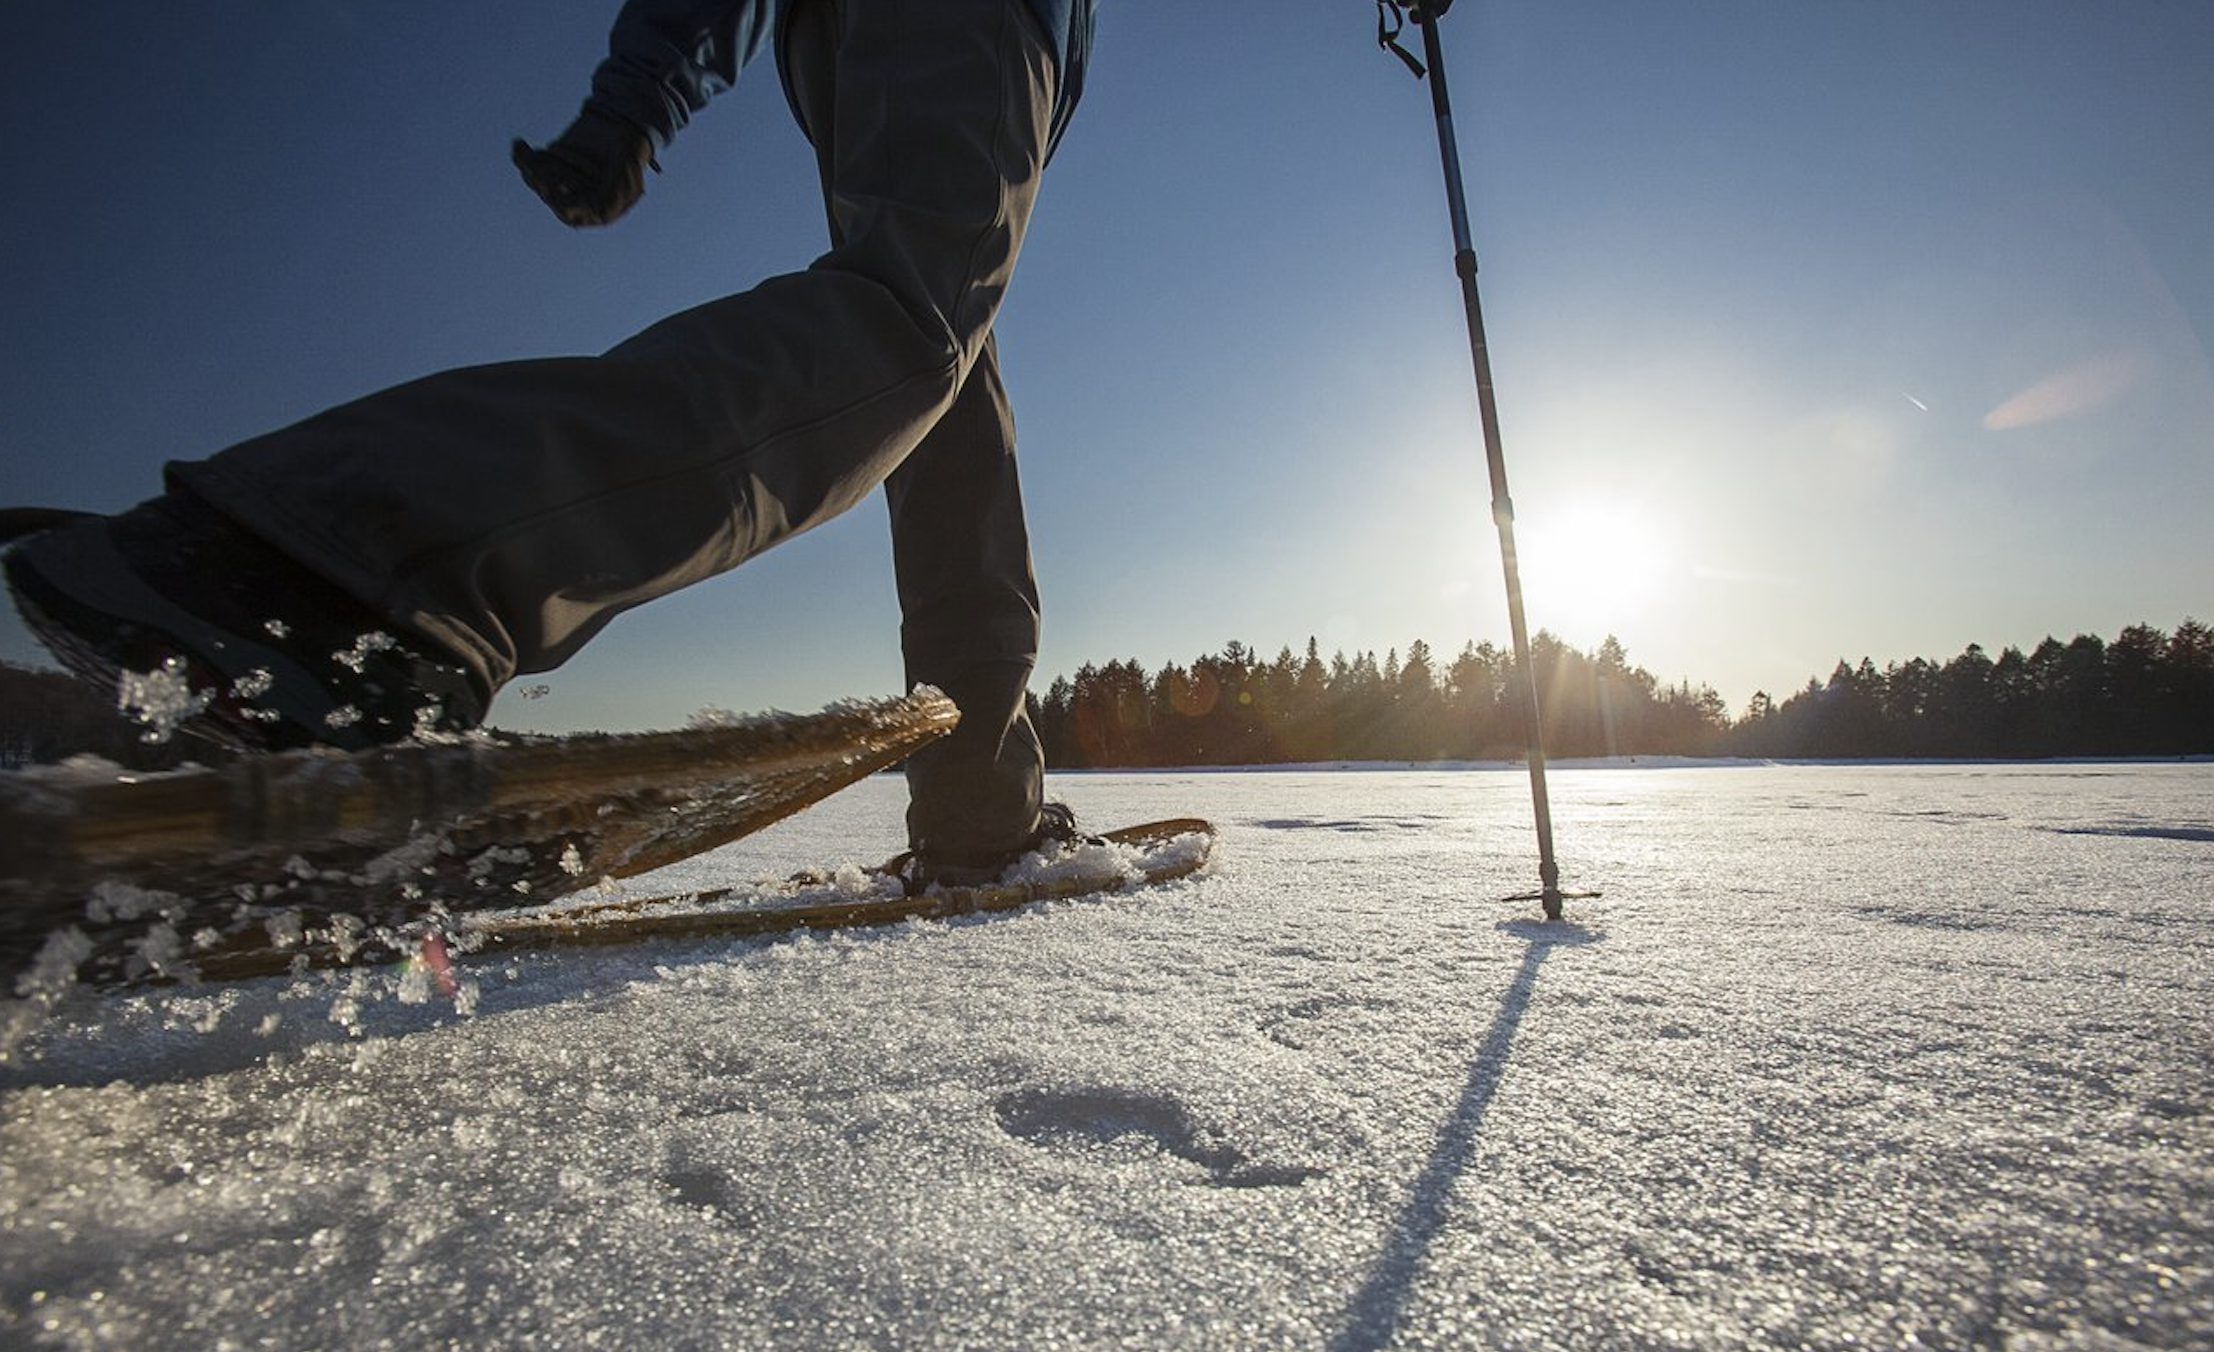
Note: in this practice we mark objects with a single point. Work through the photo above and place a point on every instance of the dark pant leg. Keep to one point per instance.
(960, 547)
(510, 511)
(969, 624)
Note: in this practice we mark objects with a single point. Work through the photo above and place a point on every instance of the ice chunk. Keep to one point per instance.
(42, 986)
(114, 901)
(356, 658)
(160, 701)
(254, 684)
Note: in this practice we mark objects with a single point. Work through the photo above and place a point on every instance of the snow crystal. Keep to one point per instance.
(426, 723)
(285, 929)
(159, 952)
(41, 987)
(417, 984)
(487, 861)
(254, 684)
(112, 901)
(710, 717)
(356, 658)
(406, 861)
(1083, 860)
(345, 1010)
(161, 701)
(78, 771)
(347, 934)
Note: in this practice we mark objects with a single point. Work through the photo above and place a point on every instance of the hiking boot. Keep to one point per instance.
(195, 623)
(922, 869)
(593, 172)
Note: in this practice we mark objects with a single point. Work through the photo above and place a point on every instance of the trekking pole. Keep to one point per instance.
(1425, 14)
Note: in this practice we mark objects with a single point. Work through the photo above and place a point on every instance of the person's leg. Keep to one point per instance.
(961, 548)
(969, 626)
(508, 512)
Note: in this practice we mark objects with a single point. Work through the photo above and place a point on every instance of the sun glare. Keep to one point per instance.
(1591, 569)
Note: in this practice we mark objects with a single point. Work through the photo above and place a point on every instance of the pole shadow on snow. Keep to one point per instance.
(1379, 1309)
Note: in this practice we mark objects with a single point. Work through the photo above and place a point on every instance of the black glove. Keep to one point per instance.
(593, 172)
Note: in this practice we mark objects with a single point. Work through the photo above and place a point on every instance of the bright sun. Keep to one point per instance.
(1591, 568)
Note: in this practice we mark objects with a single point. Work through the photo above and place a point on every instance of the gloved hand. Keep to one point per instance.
(593, 172)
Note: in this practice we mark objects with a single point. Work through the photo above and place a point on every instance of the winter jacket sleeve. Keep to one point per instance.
(667, 58)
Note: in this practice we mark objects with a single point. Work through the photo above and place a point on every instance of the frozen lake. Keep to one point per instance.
(1847, 1057)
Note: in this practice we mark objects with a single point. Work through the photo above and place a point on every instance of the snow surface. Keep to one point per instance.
(1846, 1058)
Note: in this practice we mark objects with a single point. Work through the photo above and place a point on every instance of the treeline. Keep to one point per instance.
(1235, 708)
(2147, 693)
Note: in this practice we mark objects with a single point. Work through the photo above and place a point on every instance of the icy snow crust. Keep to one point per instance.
(1846, 1058)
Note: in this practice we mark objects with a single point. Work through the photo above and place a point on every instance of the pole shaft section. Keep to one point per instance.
(1495, 458)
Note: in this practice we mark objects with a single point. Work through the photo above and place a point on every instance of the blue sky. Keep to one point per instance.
(1819, 330)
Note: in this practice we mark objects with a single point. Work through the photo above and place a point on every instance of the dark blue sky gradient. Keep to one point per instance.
(1820, 330)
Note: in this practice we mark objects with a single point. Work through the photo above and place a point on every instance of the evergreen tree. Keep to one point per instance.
(2187, 689)
(1965, 709)
(2134, 662)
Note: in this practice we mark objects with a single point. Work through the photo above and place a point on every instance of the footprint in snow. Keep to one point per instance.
(1126, 1123)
